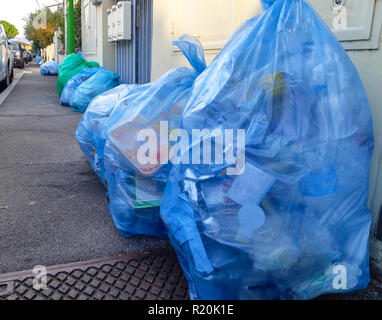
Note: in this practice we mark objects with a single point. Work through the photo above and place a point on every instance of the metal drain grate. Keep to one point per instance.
(153, 275)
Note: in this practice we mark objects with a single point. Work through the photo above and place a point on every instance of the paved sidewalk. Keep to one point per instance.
(53, 209)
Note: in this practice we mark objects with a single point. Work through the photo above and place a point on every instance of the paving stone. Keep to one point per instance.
(73, 294)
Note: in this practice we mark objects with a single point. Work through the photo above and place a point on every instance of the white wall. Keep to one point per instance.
(214, 20)
(95, 46)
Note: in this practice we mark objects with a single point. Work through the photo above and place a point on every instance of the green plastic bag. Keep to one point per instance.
(71, 65)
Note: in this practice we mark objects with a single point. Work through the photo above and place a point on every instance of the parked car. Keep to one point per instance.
(6, 60)
(19, 60)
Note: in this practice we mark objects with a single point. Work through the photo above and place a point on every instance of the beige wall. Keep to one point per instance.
(201, 18)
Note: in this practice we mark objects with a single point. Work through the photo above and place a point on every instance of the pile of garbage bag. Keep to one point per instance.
(256, 167)
(49, 68)
(134, 192)
(72, 64)
(90, 134)
(289, 212)
(74, 83)
(38, 59)
(100, 82)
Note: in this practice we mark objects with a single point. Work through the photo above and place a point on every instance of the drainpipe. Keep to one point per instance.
(66, 26)
(70, 25)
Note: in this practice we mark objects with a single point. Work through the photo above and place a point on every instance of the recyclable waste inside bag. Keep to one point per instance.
(135, 187)
(72, 64)
(90, 132)
(100, 82)
(295, 219)
(49, 68)
(74, 83)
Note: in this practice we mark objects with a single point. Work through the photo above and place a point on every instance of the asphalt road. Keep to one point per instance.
(53, 209)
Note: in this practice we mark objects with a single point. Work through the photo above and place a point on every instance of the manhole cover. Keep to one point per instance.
(152, 275)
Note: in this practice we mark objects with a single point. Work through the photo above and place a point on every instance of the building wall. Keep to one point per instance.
(59, 49)
(95, 46)
(214, 20)
(369, 65)
(48, 53)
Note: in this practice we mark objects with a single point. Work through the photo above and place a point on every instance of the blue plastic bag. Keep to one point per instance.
(49, 68)
(293, 218)
(74, 83)
(90, 132)
(135, 189)
(102, 81)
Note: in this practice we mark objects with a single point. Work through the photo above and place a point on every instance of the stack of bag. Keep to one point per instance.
(91, 134)
(72, 64)
(38, 59)
(74, 83)
(106, 130)
(79, 82)
(49, 68)
(279, 220)
(102, 81)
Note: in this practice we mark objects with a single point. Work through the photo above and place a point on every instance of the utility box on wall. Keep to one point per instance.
(123, 23)
(119, 21)
(356, 23)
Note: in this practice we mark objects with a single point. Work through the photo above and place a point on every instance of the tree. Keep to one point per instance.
(10, 29)
(41, 31)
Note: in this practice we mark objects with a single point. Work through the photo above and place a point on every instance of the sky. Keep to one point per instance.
(14, 11)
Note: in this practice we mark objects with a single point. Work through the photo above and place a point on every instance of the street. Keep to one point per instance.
(53, 209)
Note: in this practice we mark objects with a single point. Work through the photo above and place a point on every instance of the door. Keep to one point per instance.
(133, 57)
(90, 28)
